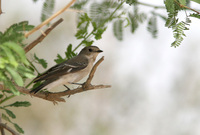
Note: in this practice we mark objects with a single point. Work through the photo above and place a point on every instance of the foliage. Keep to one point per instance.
(15, 69)
(13, 62)
(8, 115)
(47, 9)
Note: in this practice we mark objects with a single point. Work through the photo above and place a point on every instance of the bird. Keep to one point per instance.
(69, 71)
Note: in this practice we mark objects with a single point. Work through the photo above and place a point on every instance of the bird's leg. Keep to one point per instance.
(66, 87)
(75, 83)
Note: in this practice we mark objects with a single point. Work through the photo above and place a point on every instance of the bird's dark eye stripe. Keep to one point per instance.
(90, 50)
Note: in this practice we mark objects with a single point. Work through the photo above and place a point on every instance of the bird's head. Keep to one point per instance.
(90, 51)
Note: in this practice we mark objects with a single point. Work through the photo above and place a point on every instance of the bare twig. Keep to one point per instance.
(58, 96)
(42, 36)
(50, 18)
(1, 128)
(0, 8)
(8, 128)
(91, 75)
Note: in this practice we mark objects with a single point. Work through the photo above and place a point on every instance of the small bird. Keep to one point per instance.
(69, 71)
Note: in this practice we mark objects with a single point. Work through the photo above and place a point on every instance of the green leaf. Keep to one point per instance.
(25, 72)
(59, 59)
(5, 117)
(195, 15)
(10, 113)
(99, 32)
(135, 19)
(88, 42)
(118, 29)
(16, 77)
(79, 4)
(130, 2)
(183, 2)
(3, 63)
(41, 61)
(11, 86)
(18, 128)
(152, 26)
(47, 9)
(9, 54)
(69, 53)
(179, 33)
(15, 33)
(19, 50)
(197, 1)
(20, 104)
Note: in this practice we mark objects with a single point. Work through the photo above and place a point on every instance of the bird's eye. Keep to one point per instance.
(90, 50)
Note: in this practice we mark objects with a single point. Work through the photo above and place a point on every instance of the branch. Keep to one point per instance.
(1, 128)
(149, 5)
(0, 8)
(42, 36)
(183, 6)
(50, 18)
(8, 128)
(58, 96)
(91, 75)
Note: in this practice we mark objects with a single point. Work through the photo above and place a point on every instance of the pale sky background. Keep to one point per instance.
(155, 87)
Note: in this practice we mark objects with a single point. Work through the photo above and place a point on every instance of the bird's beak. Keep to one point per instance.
(99, 51)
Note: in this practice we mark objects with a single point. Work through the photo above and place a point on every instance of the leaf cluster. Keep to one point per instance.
(13, 62)
(178, 27)
(9, 115)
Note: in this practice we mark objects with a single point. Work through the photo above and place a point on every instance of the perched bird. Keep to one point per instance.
(70, 71)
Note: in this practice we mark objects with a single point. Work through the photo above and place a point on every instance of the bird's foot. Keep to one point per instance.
(67, 90)
(67, 87)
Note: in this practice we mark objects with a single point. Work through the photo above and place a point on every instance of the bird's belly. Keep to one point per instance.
(69, 78)
(75, 77)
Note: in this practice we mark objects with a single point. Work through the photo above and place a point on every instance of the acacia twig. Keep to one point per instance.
(58, 96)
(0, 8)
(50, 18)
(1, 128)
(42, 36)
(8, 128)
(183, 6)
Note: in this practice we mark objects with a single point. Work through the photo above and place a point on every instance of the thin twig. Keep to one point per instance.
(183, 6)
(0, 8)
(1, 128)
(58, 96)
(50, 18)
(8, 128)
(42, 36)
(91, 75)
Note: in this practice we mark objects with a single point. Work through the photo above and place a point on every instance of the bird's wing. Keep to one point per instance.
(70, 66)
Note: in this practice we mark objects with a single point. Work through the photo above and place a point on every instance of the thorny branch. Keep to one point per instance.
(42, 36)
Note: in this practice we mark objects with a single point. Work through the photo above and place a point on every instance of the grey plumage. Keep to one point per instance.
(70, 70)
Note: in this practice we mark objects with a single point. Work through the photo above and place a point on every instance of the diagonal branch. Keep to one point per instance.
(1, 128)
(0, 8)
(50, 18)
(8, 128)
(42, 36)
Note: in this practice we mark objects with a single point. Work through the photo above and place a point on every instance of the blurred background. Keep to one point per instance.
(155, 88)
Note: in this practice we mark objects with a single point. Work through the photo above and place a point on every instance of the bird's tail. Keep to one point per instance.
(35, 90)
